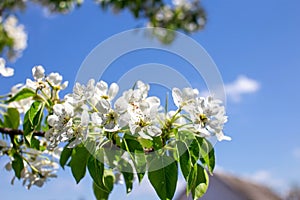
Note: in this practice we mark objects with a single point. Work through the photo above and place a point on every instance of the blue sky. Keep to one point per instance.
(254, 39)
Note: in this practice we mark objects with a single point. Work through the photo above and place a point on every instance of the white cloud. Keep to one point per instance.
(242, 85)
(266, 178)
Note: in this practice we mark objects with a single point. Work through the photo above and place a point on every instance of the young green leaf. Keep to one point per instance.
(32, 119)
(36, 113)
(145, 142)
(22, 94)
(18, 165)
(163, 174)
(207, 153)
(194, 151)
(78, 162)
(198, 181)
(108, 180)
(12, 118)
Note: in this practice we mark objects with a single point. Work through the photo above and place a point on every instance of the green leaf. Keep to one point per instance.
(99, 193)
(163, 177)
(35, 143)
(96, 170)
(65, 156)
(127, 172)
(113, 155)
(140, 164)
(32, 119)
(198, 181)
(136, 152)
(18, 165)
(194, 151)
(145, 142)
(12, 118)
(157, 143)
(1, 123)
(108, 181)
(78, 162)
(184, 158)
(22, 94)
(27, 127)
(36, 113)
(207, 153)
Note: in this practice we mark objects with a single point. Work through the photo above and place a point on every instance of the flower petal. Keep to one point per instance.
(113, 90)
(177, 96)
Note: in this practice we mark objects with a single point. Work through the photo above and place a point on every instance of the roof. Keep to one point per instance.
(227, 187)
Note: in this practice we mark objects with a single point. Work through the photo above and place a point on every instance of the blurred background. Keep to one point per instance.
(255, 45)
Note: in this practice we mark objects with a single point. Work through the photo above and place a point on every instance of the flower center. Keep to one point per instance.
(104, 97)
(203, 119)
(141, 123)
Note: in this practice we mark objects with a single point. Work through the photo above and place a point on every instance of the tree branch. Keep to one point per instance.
(14, 132)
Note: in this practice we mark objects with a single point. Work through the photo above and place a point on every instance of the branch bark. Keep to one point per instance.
(13, 132)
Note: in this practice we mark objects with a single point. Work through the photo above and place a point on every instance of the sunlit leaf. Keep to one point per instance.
(12, 118)
(207, 153)
(198, 181)
(22, 94)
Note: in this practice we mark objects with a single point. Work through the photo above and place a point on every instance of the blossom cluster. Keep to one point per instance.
(16, 32)
(94, 114)
(46, 86)
(181, 11)
(90, 110)
(38, 167)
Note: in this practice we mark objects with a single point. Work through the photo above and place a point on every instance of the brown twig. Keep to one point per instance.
(13, 132)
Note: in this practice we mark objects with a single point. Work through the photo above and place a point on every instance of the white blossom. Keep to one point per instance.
(179, 2)
(38, 72)
(38, 168)
(185, 97)
(82, 93)
(46, 168)
(104, 95)
(5, 71)
(139, 111)
(209, 117)
(16, 32)
(80, 132)
(62, 117)
(167, 117)
(55, 79)
(144, 119)
(61, 122)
